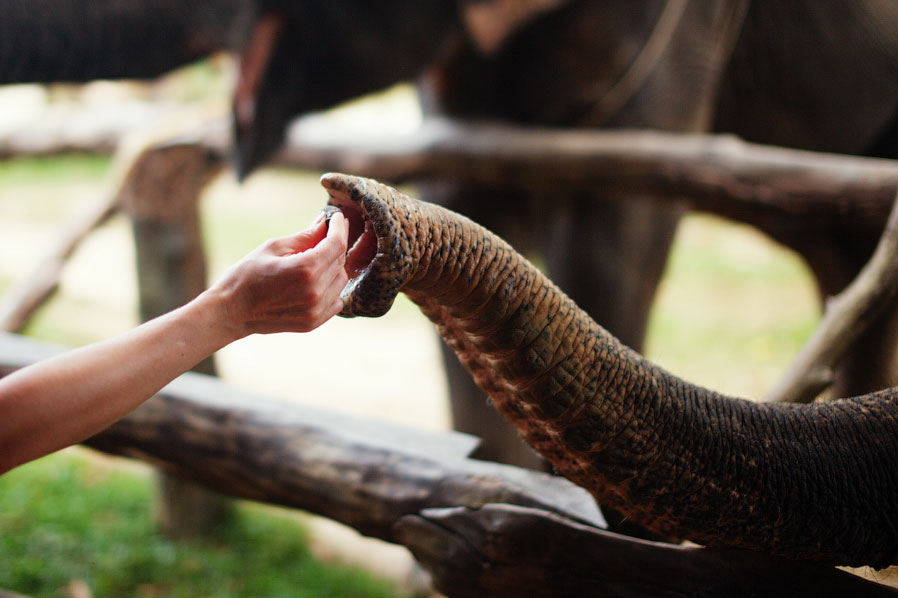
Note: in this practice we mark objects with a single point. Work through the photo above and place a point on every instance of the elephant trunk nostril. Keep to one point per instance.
(362, 240)
(362, 250)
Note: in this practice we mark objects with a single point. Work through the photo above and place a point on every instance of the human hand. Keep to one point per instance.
(288, 284)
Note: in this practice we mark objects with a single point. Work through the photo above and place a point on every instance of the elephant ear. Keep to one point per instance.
(491, 22)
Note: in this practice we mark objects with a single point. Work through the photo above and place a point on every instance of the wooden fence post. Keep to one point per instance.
(160, 193)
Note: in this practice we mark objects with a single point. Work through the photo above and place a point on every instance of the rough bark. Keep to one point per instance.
(815, 482)
(760, 185)
(501, 551)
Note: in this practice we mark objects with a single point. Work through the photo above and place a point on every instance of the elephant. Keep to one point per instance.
(803, 74)
(804, 481)
(57, 41)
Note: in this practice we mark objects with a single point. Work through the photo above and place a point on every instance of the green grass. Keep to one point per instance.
(42, 189)
(65, 518)
(52, 170)
(733, 308)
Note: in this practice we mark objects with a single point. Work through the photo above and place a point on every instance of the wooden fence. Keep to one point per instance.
(479, 528)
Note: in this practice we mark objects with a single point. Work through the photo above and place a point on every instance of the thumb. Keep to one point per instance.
(306, 239)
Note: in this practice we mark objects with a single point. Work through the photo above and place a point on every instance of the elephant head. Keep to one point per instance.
(309, 55)
(816, 481)
(49, 41)
(296, 56)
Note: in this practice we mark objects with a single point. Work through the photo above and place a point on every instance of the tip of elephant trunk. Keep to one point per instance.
(369, 292)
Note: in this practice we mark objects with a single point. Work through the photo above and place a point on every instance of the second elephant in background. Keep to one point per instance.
(803, 74)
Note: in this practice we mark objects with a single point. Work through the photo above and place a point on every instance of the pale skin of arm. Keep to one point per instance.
(289, 284)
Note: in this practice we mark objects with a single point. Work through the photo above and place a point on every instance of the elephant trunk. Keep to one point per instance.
(815, 481)
(81, 40)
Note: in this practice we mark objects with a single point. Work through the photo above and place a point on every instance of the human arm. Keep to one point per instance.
(289, 284)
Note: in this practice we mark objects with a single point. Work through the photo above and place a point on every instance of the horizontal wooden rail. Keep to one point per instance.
(361, 472)
(718, 173)
(477, 526)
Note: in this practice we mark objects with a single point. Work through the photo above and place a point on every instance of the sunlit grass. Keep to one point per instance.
(43, 189)
(733, 309)
(65, 518)
(52, 170)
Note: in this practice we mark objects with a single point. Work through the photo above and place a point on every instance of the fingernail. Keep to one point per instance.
(328, 212)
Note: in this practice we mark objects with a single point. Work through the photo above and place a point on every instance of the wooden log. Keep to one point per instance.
(760, 185)
(20, 302)
(161, 193)
(80, 129)
(405, 485)
(363, 473)
(507, 550)
(756, 184)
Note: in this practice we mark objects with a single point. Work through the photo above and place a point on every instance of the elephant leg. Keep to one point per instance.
(609, 255)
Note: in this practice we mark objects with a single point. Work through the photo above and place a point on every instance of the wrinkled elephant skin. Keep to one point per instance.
(815, 481)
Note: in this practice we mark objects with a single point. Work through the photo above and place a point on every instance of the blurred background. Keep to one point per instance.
(733, 309)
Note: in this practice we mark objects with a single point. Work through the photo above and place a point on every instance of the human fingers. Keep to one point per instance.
(320, 264)
(325, 278)
(335, 244)
(311, 300)
(335, 275)
(331, 303)
(300, 241)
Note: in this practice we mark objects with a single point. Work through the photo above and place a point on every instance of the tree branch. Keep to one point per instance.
(846, 318)
(22, 300)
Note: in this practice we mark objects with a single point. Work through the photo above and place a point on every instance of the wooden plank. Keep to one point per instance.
(364, 473)
(417, 488)
(510, 551)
